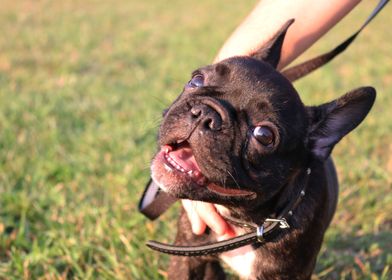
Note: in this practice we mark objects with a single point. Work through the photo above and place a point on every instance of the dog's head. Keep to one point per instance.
(239, 131)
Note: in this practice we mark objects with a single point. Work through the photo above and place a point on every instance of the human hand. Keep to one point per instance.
(202, 214)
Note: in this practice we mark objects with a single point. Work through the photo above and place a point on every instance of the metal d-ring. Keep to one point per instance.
(260, 233)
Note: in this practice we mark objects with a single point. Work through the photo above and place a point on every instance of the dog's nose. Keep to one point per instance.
(207, 118)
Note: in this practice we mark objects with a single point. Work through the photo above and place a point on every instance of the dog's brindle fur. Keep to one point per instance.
(216, 117)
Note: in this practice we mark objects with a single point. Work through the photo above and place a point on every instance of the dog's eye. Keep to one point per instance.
(264, 135)
(196, 81)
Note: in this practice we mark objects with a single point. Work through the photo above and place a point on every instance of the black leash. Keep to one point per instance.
(298, 71)
(155, 202)
(263, 233)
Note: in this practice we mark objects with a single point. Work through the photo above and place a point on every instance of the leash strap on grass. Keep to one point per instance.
(296, 72)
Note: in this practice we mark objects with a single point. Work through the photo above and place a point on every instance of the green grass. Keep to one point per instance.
(82, 85)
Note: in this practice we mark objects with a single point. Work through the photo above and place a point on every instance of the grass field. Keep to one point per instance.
(82, 87)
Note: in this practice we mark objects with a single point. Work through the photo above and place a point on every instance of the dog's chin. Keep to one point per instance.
(176, 172)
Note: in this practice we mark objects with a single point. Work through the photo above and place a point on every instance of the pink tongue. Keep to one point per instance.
(183, 156)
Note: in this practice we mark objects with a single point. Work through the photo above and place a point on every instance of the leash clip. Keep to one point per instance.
(282, 222)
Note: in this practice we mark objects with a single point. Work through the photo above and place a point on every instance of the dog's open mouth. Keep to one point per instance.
(180, 165)
(181, 159)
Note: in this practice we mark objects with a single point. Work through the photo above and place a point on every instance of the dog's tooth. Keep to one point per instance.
(168, 168)
(190, 172)
(175, 164)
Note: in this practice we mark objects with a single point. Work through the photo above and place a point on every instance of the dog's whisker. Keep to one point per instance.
(235, 181)
(147, 167)
(223, 182)
(159, 100)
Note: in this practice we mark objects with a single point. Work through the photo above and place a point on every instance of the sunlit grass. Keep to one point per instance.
(82, 87)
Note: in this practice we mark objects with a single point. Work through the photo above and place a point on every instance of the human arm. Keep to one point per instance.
(312, 20)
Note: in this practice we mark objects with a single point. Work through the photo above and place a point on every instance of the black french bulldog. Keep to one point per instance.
(240, 136)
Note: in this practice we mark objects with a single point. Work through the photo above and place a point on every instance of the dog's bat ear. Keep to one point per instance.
(330, 122)
(270, 52)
